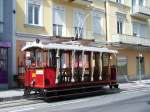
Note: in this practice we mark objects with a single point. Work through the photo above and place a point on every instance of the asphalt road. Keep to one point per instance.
(133, 100)
(138, 104)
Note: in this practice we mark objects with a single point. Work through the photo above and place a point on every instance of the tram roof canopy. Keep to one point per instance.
(31, 45)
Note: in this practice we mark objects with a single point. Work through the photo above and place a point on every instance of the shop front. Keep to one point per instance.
(4, 61)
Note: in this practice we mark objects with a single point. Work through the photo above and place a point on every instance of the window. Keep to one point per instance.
(3, 59)
(1, 15)
(138, 2)
(120, 24)
(79, 24)
(140, 29)
(58, 21)
(122, 65)
(120, 1)
(97, 23)
(34, 12)
(142, 2)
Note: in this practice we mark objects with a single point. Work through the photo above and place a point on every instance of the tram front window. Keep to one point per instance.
(37, 58)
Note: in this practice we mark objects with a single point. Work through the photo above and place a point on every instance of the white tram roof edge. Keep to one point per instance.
(66, 47)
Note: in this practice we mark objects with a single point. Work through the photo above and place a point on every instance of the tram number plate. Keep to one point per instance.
(39, 72)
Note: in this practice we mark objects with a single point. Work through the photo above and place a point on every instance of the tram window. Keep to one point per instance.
(36, 58)
(65, 60)
(105, 59)
(87, 61)
(78, 60)
(52, 58)
(39, 59)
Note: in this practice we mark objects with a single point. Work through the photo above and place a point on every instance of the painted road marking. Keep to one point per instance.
(21, 110)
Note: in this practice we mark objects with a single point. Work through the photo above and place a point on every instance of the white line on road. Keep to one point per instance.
(21, 110)
(70, 102)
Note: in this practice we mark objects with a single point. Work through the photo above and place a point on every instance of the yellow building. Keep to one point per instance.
(121, 24)
(128, 31)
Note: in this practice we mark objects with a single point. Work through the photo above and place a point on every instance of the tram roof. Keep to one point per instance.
(31, 45)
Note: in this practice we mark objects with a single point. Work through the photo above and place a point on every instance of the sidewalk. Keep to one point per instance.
(8, 95)
(16, 94)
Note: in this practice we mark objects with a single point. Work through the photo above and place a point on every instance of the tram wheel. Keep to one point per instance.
(27, 91)
(110, 86)
(116, 86)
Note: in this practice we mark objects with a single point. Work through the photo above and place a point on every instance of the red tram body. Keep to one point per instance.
(86, 67)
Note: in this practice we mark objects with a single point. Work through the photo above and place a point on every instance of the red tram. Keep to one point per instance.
(60, 66)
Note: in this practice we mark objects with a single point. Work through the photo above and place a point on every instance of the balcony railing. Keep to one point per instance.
(141, 11)
(76, 32)
(129, 39)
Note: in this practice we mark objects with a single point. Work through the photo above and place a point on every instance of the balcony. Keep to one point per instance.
(141, 12)
(81, 2)
(129, 39)
(74, 32)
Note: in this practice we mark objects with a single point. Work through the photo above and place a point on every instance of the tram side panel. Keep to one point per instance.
(40, 78)
(50, 77)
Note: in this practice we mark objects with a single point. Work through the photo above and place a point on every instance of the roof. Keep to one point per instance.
(76, 47)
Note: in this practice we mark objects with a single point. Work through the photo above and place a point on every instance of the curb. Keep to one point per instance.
(11, 98)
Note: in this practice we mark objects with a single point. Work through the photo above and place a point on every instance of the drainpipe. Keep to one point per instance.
(106, 19)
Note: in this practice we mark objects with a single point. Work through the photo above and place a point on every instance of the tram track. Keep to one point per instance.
(35, 99)
(21, 102)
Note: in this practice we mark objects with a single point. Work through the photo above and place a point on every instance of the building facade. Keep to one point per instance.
(128, 31)
(120, 24)
(7, 35)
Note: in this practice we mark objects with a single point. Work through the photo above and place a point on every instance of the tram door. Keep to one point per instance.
(3, 65)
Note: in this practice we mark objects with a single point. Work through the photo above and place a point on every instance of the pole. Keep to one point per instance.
(106, 19)
(83, 65)
(72, 66)
(100, 66)
(58, 63)
(139, 68)
(92, 66)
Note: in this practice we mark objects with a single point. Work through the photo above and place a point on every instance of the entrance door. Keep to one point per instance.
(140, 65)
(3, 66)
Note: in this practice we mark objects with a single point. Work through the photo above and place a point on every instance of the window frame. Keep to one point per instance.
(79, 27)
(125, 60)
(120, 28)
(97, 14)
(63, 25)
(40, 16)
(120, 1)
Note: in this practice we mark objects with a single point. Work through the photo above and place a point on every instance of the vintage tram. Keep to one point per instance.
(52, 66)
